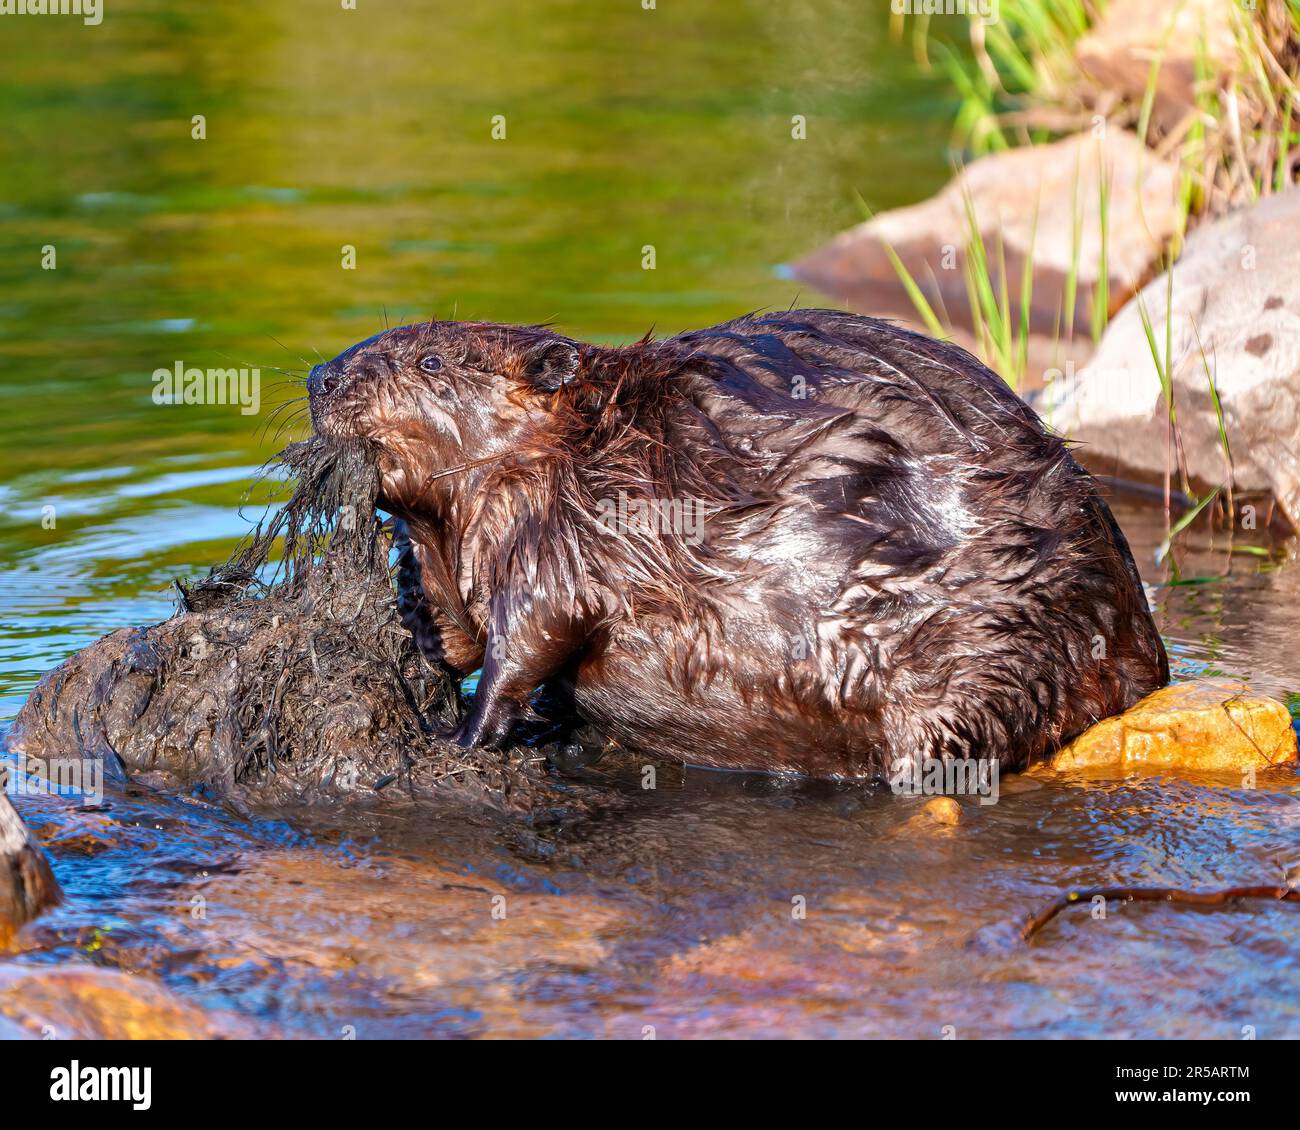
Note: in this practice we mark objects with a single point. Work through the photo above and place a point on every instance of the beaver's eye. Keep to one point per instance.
(431, 364)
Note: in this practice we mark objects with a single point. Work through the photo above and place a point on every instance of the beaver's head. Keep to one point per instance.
(439, 396)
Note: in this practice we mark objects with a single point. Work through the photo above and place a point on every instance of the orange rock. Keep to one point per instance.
(943, 810)
(1210, 724)
(85, 1003)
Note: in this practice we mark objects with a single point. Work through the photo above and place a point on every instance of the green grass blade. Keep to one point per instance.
(1182, 524)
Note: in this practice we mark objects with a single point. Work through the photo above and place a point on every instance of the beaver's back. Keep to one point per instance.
(947, 400)
(940, 577)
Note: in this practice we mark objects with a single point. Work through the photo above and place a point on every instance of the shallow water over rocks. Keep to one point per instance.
(717, 904)
(670, 909)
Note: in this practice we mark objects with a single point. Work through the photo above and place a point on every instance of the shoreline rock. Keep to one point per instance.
(1118, 52)
(1010, 191)
(27, 885)
(1235, 295)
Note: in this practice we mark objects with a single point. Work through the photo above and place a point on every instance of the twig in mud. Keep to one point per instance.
(1155, 894)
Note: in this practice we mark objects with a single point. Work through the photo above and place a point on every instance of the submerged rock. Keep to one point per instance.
(85, 1003)
(27, 885)
(1235, 297)
(1210, 725)
(943, 810)
(1029, 199)
(938, 814)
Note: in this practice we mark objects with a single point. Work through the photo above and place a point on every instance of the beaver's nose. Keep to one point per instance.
(324, 379)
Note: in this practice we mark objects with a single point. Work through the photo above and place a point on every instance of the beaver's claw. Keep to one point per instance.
(487, 726)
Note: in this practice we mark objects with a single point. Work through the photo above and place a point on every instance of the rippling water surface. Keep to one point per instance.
(674, 909)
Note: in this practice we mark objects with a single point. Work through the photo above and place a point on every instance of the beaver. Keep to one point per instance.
(806, 542)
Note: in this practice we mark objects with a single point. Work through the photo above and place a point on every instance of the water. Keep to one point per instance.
(675, 909)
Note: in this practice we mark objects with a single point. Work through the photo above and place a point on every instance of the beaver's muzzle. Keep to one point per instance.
(325, 386)
(324, 379)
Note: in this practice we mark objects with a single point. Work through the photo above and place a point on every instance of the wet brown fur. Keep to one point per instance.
(897, 560)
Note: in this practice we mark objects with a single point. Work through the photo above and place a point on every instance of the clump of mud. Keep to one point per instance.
(285, 676)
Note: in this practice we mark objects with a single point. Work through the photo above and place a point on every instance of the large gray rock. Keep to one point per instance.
(1238, 285)
(27, 885)
(1008, 189)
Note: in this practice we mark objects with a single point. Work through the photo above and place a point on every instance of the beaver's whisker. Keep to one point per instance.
(288, 350)
(296, 400)
(464, 467)
(285, 425)
(297, 377)
(295, 416)
(291, 383)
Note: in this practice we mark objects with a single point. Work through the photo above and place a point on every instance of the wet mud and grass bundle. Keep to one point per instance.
(285, 676)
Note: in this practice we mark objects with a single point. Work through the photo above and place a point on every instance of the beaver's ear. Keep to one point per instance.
(551, 364)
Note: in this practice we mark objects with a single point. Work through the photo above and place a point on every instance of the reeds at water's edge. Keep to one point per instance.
(1020, 84)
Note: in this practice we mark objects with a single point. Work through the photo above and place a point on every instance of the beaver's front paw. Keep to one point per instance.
(485, 728)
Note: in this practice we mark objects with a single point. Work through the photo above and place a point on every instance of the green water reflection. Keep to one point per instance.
(325, 128)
